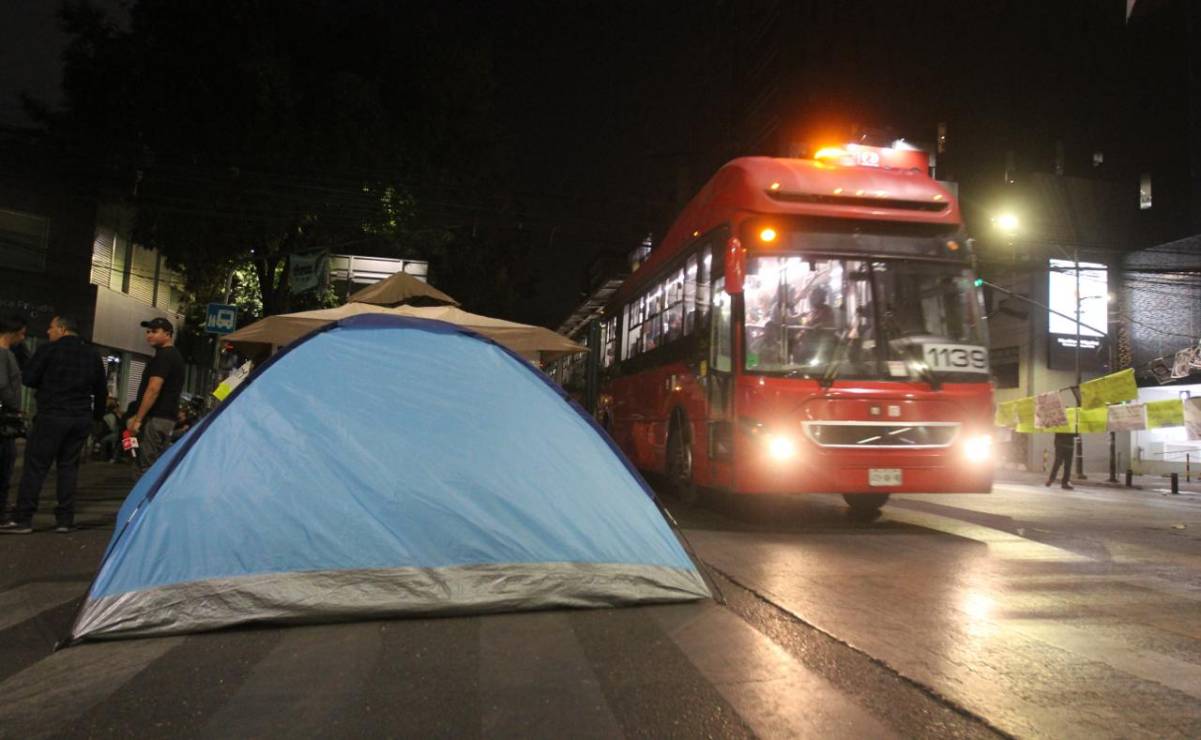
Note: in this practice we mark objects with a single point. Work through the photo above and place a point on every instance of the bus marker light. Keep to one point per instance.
(768, 235)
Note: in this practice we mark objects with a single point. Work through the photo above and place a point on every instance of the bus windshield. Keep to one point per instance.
(821, 317)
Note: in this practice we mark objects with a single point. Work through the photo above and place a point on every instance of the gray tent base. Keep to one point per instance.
(339, 595)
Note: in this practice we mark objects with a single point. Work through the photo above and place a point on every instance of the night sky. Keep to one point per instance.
(616, 112)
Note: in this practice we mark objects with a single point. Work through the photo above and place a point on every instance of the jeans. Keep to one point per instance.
(54, 440)
(153, 439)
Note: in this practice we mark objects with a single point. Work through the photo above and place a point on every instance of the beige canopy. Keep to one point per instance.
(534, 343)
(400, 288)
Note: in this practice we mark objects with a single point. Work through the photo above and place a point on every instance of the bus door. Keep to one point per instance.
(719, 382)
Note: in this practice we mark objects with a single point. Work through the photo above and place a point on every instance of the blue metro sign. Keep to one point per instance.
(222, 319)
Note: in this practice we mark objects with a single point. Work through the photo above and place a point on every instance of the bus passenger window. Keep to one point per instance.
(690, 295)
(673, 315)
(702, 287)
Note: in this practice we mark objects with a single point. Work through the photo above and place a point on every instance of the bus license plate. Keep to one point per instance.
(884, 476)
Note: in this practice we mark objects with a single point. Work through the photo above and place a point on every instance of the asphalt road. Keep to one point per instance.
(1030, 612)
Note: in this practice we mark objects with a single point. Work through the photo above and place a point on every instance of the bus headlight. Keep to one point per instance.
(778, 446)
(978, 449)
(781, 447)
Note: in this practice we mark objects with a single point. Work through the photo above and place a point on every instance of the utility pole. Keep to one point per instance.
(1079, 443)
(1113, 362)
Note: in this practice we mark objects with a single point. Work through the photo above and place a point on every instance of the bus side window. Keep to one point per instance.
(721, 340)
(673, 314)
(702, 287)
(690, 294)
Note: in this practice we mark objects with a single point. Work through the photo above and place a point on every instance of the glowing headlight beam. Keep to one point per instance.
(978, 448)
(781, 447)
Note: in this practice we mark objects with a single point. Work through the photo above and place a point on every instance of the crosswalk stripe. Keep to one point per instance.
(770, 690)
(31, 599)
(276, 697)
(527, 654)
(48, 696)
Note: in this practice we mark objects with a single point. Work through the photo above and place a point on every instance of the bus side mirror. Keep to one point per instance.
(735, 266)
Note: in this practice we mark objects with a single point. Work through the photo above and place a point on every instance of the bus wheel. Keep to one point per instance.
(865, 506)
(679, 466)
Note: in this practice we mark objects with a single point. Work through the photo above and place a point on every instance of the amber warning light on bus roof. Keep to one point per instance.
(861, 155)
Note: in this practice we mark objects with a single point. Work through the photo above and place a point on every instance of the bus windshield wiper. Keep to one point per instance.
(836, 359)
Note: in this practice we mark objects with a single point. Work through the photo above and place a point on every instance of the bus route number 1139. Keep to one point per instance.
(960, 358)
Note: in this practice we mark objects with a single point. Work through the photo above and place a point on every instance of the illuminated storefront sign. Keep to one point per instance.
(1093, 306)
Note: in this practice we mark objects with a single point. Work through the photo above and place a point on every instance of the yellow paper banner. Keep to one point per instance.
(1113, 388)
(1025, 412)
(1007, 415)
(1169, 413)
(1091, 421)
(1094, 420)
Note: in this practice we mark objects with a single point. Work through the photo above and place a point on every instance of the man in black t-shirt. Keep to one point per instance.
(158, 394)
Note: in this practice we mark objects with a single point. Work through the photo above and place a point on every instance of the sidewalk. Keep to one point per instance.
(1154, 484)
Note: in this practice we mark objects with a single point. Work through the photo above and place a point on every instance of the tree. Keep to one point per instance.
(246, 131)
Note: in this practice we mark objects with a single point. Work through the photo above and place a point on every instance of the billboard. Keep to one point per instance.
(1092, 303)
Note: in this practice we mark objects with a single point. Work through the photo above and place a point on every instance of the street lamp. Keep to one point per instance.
(1007, 223)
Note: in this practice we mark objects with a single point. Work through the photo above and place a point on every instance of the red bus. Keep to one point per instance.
(805, 326)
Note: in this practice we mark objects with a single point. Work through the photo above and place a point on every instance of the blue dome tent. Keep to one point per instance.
(384, 466)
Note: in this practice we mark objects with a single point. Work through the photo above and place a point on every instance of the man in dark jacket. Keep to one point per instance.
(12, 334)
(1065, 445)
(68, 375)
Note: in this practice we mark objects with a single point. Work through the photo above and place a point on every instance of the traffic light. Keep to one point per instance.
(979, 282)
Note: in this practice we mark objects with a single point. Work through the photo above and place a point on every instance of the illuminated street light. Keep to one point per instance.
(1007, 222)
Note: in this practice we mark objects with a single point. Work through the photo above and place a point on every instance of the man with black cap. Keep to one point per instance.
(158, 395)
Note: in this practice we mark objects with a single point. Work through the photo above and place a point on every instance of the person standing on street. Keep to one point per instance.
(12, 334)
(158, 395)
(71, 392)
(1065, 445)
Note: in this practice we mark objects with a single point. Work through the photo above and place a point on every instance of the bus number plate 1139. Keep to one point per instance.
(884, 476)
(961, 358)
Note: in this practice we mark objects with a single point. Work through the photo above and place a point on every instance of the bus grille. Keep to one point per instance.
(871, 434)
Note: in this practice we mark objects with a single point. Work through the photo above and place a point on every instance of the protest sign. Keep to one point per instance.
(1049, 410)
(1112, 388)
(1006, 415)
(231, 382)
(1169, 413)
(1025, 409)
(1130, 417)
(1181, 366)
(1192, 417)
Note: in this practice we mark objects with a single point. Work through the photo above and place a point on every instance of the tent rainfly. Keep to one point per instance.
(384, 466)
(534, 343)
(401, 288)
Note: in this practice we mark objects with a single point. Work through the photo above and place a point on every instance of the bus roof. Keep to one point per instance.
(806, 187)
